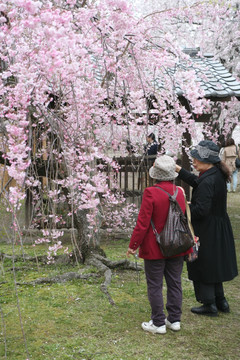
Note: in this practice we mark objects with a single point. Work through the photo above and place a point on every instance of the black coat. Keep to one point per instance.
(151, 149)
(217, 258)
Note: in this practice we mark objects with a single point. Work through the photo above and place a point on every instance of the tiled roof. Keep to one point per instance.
(216, 81)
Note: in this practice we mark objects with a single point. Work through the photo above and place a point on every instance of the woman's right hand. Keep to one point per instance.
(131, 252)
(178, 168)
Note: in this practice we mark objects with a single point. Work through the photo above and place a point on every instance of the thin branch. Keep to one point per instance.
(170, 9)
(18, 304)
(4, 333)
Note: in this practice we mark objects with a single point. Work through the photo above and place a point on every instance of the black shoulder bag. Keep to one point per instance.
(176, 236)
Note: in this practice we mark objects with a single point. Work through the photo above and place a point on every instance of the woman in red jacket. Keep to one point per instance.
(155, 206)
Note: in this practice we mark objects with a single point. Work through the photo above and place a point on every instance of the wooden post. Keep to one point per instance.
(185, 162)
(125, 177)
(186, 141)
(28, 208)
(133, 184)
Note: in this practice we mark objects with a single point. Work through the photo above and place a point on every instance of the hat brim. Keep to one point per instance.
(195, 155)
(211, 160)
(153, 174)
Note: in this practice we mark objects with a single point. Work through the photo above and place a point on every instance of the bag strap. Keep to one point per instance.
(153, 227)
(237, 151)
(188, 213)
(170, 196)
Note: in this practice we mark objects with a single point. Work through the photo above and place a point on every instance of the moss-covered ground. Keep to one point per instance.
(74, 320)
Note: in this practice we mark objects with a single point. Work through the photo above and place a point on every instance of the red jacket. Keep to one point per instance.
(155, 205)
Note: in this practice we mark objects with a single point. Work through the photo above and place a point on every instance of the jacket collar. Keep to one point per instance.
(206, 173)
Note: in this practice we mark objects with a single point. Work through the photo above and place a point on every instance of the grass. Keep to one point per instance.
(74, 320)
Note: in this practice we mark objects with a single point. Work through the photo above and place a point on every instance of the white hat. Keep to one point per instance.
(163, 169)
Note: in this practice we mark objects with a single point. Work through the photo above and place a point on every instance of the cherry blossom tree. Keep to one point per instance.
(214, 31)
(74, 74)
(77, 79)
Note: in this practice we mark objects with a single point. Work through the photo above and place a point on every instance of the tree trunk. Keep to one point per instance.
(87, 241)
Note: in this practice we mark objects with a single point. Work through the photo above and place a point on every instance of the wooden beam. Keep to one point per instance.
(185, 161)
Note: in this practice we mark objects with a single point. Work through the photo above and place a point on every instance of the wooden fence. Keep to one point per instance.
(133, 176)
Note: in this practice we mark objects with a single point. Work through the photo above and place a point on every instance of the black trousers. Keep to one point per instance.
(208, 293)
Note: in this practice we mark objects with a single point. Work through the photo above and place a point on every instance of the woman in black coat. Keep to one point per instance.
(216, 262)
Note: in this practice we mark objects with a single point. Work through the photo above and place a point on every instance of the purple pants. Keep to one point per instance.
(171, 269)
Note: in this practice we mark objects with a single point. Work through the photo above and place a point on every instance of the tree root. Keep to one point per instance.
(122, 264)
(60, 278)
(94, 261)
(102, 264)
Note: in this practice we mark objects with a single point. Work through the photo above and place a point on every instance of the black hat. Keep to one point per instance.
(207, 152)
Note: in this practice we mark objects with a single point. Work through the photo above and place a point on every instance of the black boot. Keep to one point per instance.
(207, 310)
(223, 305)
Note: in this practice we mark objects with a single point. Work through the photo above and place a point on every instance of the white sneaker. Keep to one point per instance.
(148, 326)
(173, 326)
